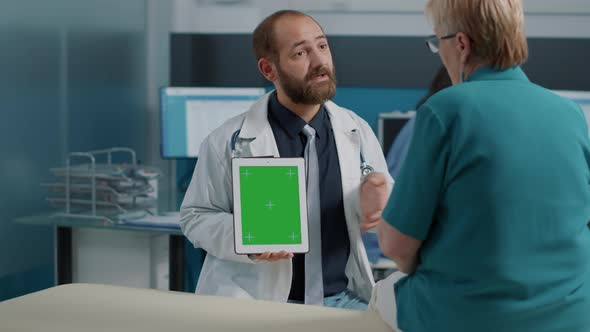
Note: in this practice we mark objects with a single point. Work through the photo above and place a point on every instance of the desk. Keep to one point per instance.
(89, 307)
(63, 236)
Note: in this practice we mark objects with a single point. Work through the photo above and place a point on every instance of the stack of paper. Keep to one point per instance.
(168, 219)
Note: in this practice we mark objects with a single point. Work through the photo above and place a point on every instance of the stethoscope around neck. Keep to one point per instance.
(366, 168)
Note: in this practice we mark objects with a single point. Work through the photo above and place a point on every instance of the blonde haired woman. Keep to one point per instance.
(488, 217)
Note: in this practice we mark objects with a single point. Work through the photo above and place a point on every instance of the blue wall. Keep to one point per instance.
(369, 102)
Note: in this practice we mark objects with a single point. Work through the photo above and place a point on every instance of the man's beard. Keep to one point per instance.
(304, 92)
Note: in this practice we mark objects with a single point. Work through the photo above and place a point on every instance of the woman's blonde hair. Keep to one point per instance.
(495, 27)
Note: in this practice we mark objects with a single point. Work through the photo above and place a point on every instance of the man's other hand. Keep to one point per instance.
(273, 256)
(373, 199)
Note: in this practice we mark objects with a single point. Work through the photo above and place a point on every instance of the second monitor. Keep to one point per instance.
(389, 125)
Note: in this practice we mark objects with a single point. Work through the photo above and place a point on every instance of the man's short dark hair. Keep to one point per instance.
(263, 38)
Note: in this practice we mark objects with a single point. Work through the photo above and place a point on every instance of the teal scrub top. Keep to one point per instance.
(496, 184)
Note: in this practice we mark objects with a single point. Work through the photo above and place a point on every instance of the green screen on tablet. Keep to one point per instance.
(270, 205)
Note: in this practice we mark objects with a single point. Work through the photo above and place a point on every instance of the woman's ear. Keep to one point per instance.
(464, 46)
(267, 69)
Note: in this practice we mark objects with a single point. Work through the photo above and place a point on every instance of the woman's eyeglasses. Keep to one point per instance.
(433, 42)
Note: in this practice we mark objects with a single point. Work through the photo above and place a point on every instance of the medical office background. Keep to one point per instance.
(85, 75)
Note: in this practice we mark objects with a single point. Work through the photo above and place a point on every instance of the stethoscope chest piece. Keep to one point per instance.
(366, 169)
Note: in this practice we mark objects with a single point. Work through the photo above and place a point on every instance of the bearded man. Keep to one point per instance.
(293, 53)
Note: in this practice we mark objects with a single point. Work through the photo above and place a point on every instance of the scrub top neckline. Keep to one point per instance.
(489, 73)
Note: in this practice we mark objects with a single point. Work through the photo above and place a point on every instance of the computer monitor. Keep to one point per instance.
(189, 114)
(389, 125)
(582, 98)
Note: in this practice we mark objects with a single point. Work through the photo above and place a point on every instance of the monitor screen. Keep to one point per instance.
(389, 125)
(188, 115)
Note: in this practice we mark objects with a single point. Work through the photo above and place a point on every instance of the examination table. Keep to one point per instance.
(90, 307)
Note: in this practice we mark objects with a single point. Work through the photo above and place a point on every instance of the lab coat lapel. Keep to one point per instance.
(347, 137)
(257, 131)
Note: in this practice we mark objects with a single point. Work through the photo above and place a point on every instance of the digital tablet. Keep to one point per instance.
(270, 206)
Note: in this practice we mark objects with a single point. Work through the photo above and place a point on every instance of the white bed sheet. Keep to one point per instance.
(90, 307)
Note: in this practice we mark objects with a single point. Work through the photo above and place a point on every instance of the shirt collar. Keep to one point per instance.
(491, 74)
(291, 123)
